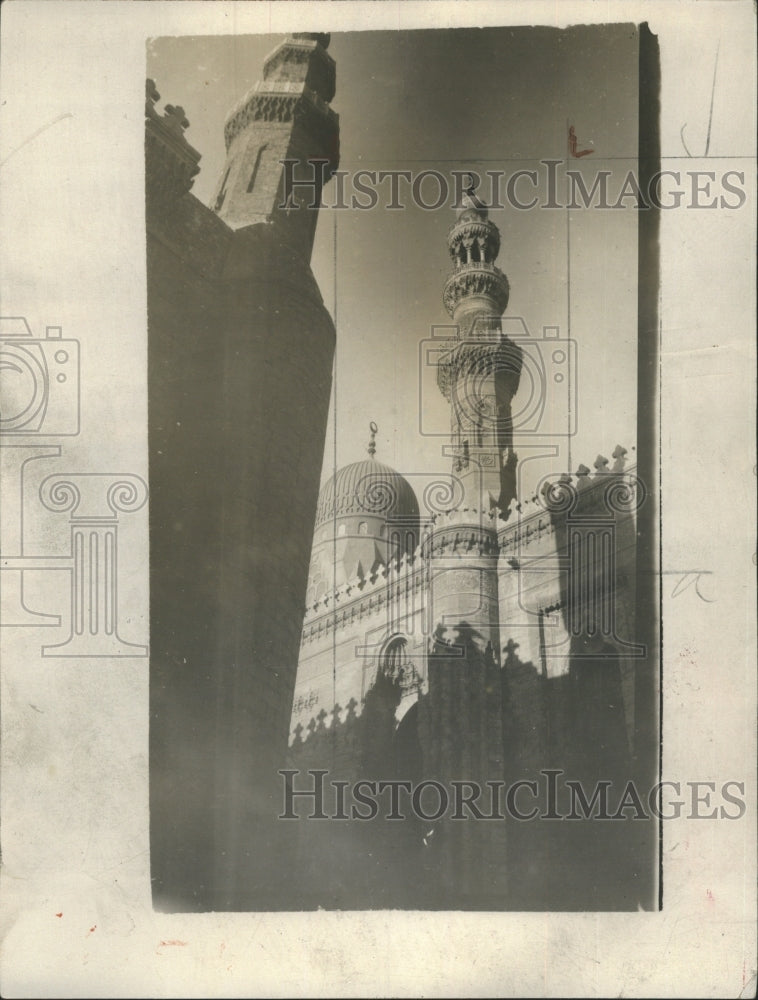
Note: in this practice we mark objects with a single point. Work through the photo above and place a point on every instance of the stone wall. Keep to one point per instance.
(239, 359)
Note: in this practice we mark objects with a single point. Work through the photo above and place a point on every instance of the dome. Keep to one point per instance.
(367, 488)
(367, 516)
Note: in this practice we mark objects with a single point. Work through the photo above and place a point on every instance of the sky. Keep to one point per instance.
(455, 99)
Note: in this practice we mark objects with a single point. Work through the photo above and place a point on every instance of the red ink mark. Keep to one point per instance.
(59, 914)
(573, 143)
(166, 944)
(709, 896)
(93, 928)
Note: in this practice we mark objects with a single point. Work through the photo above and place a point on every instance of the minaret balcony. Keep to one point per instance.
(277, 101)
(481, 232)
(479, 286)
(306, 60)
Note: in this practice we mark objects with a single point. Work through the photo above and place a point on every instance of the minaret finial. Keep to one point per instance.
(476, 287)
(372, 441)
(469, 199)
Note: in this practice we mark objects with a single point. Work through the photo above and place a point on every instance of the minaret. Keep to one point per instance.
(282, 143)
(460, 719)
(480, 374)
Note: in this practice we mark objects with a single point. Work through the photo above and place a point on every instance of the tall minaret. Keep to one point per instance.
(480, 374)
(460, 719)
(282, 143)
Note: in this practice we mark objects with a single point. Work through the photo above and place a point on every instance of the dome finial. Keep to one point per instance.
(469, 200)
(372, 441)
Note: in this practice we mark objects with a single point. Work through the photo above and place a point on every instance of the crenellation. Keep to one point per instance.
(171, 163)
(471, 637)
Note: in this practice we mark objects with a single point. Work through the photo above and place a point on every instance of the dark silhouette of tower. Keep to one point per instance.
(240, 358)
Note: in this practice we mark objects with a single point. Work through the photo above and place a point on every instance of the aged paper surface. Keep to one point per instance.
(84, 723)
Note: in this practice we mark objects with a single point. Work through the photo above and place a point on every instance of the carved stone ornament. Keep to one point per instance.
(285, 107)
(170, 162)
(476, 280)
(467, 359)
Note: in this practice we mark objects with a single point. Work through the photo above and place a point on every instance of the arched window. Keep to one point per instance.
(341, 530)
(395, 659)
(363, 528)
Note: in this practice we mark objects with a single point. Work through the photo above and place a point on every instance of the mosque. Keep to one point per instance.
(466, 635)
(477, 636)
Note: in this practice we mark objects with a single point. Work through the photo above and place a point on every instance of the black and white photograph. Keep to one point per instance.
(374, 689)
(378, 463)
